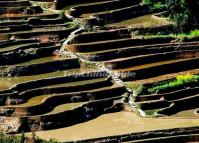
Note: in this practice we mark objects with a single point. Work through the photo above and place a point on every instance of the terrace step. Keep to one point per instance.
(101, 6)
(170, 96)
(17, 55)
(62, 4)
(73, 76)
(14, 3)
(166, 67)
(12, 22)
(166, 138)
(40, 66)
(182, 104)
(166, 77)
(144, 21)
(33, 21)
(123, 13)
(29, 109)
(64, 88)
(154, 104)
(114, 44)
(186, 93)
(7, 82)
(89, 37)
(66, 118)
(110, 11)
(14, 28)
(65, 107)
(123, 52)
(40, 33)
(39, 21)
(4, 44)
(27, 16)
(150, 58)
(21, 10)
(14, 46)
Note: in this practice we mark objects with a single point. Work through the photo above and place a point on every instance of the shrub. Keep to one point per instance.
(154, 5)
(148, 2)
(159, 6)
(21, 139)
(181, 14)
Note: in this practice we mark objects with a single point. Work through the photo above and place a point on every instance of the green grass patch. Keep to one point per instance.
(71, 25)
(194, 34)
(180, 81)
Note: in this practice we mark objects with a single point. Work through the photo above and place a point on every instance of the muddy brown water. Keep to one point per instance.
(114, 124)
(187, 113)
(8, 82)
(42, 60)
(35, 100)
(64, 107)
(38, 99)
(182, 114)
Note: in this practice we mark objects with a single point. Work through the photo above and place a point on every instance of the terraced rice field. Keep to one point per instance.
(65, 74)
(37, 81)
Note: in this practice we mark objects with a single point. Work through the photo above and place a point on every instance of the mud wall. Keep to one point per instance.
(144, 135)
(101, 36)
(26, 53)
(115, 44)
(163, 69)
(40, 68)
(57, 80)
(173, 95)
(63, 3)
(79, 10)
(146, 59)
(119, 15)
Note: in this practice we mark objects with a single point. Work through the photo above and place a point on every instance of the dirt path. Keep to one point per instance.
(114, 124)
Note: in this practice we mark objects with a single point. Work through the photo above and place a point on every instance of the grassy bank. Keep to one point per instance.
(194, 34)
(180, 81)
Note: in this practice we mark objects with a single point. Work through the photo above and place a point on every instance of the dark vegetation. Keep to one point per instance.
(183, 12)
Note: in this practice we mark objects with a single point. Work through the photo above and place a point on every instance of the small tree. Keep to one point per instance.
(22, 138)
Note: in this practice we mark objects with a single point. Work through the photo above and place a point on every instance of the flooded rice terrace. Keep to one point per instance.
(114, 124)
(104, 71)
